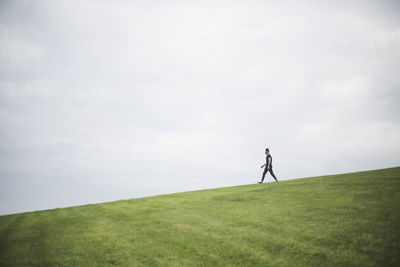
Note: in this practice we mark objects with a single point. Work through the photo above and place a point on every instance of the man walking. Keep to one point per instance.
(268, 166)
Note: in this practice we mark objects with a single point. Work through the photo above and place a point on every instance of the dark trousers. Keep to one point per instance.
(270, 171)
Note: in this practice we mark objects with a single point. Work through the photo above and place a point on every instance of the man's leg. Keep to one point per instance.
(263, 176)
(273, 175)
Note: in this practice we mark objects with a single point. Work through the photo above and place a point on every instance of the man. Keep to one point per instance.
(268, 166)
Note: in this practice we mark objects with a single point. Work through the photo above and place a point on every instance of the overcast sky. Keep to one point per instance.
(109, 100)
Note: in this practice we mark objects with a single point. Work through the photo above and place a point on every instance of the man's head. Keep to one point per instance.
(266, 151)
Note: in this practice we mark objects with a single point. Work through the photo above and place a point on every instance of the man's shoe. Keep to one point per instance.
(259, 182)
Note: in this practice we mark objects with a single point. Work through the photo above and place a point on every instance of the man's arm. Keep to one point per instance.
(263, 165)
(269, 163)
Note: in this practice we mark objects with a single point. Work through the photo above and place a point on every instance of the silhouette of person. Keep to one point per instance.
(268, 166)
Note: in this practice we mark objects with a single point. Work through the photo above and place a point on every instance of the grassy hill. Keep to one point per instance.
(341, 220)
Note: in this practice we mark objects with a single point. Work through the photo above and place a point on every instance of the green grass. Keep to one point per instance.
(341, 220)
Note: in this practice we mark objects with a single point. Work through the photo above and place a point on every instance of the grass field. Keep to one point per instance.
(341, 220)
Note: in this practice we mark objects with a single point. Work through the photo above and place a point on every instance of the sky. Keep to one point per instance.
(110, 100)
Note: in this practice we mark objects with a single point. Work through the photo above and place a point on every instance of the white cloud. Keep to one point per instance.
(18, 52)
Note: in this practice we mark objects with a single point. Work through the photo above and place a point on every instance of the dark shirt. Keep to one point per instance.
(268, 156)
